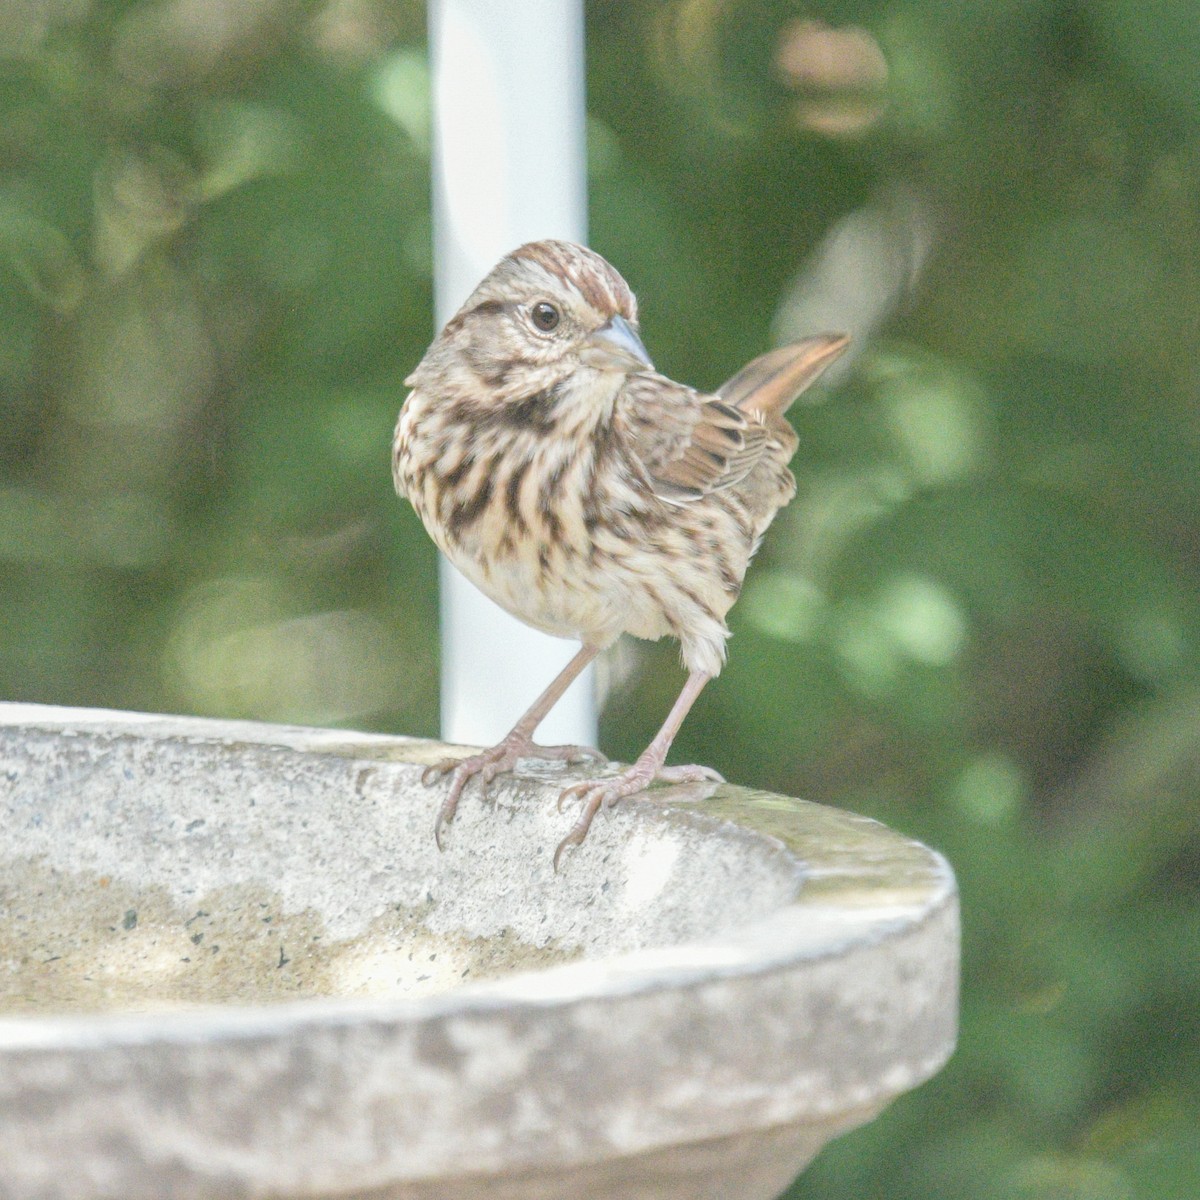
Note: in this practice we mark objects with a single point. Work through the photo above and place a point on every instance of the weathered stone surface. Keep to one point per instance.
(234, 964)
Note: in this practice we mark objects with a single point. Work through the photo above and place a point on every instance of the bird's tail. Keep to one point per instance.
(772, 381)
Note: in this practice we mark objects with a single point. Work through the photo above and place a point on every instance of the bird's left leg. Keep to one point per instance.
(601, 793)
(517, 743)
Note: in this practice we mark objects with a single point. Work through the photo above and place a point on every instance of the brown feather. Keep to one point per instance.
(771, 382)
(688, 445)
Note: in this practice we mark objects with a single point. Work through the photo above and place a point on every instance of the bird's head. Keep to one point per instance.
(550, 315)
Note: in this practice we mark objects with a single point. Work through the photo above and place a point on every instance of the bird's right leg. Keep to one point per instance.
(518, 743)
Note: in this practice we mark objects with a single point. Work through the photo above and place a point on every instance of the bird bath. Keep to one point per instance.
(234, 964)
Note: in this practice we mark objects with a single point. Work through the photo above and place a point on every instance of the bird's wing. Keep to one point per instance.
(689, 444)
(686, 443)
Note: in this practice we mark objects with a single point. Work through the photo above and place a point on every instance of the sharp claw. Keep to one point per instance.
(446, 812)
(574, 838)
(596, 794)
(579, 830)
(558, 852)
(437, 770)
(486, 766)
(569, 841)
(602, 794)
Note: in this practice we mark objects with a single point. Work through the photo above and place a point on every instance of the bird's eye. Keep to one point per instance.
(545, 316)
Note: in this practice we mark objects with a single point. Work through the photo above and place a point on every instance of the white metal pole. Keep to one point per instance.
(509, 166)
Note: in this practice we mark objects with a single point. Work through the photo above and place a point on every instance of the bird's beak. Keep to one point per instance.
(616, 346)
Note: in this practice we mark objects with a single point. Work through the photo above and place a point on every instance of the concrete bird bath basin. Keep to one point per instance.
(233, 964)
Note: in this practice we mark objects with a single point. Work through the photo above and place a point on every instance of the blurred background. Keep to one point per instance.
(979, 621)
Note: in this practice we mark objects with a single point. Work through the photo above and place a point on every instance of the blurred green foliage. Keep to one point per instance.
(979, 621)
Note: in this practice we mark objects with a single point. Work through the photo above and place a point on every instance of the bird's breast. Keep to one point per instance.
(563, 532)
(510, 508)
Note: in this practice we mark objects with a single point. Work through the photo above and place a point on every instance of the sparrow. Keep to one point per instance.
(587, 494)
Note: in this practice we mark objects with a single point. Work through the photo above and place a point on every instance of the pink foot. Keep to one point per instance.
(488, 764)
(604, 793)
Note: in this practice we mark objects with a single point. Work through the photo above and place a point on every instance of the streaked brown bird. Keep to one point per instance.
(589, 495)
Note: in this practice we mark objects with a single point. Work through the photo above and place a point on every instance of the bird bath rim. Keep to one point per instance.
(831, 989)
(788, 934)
